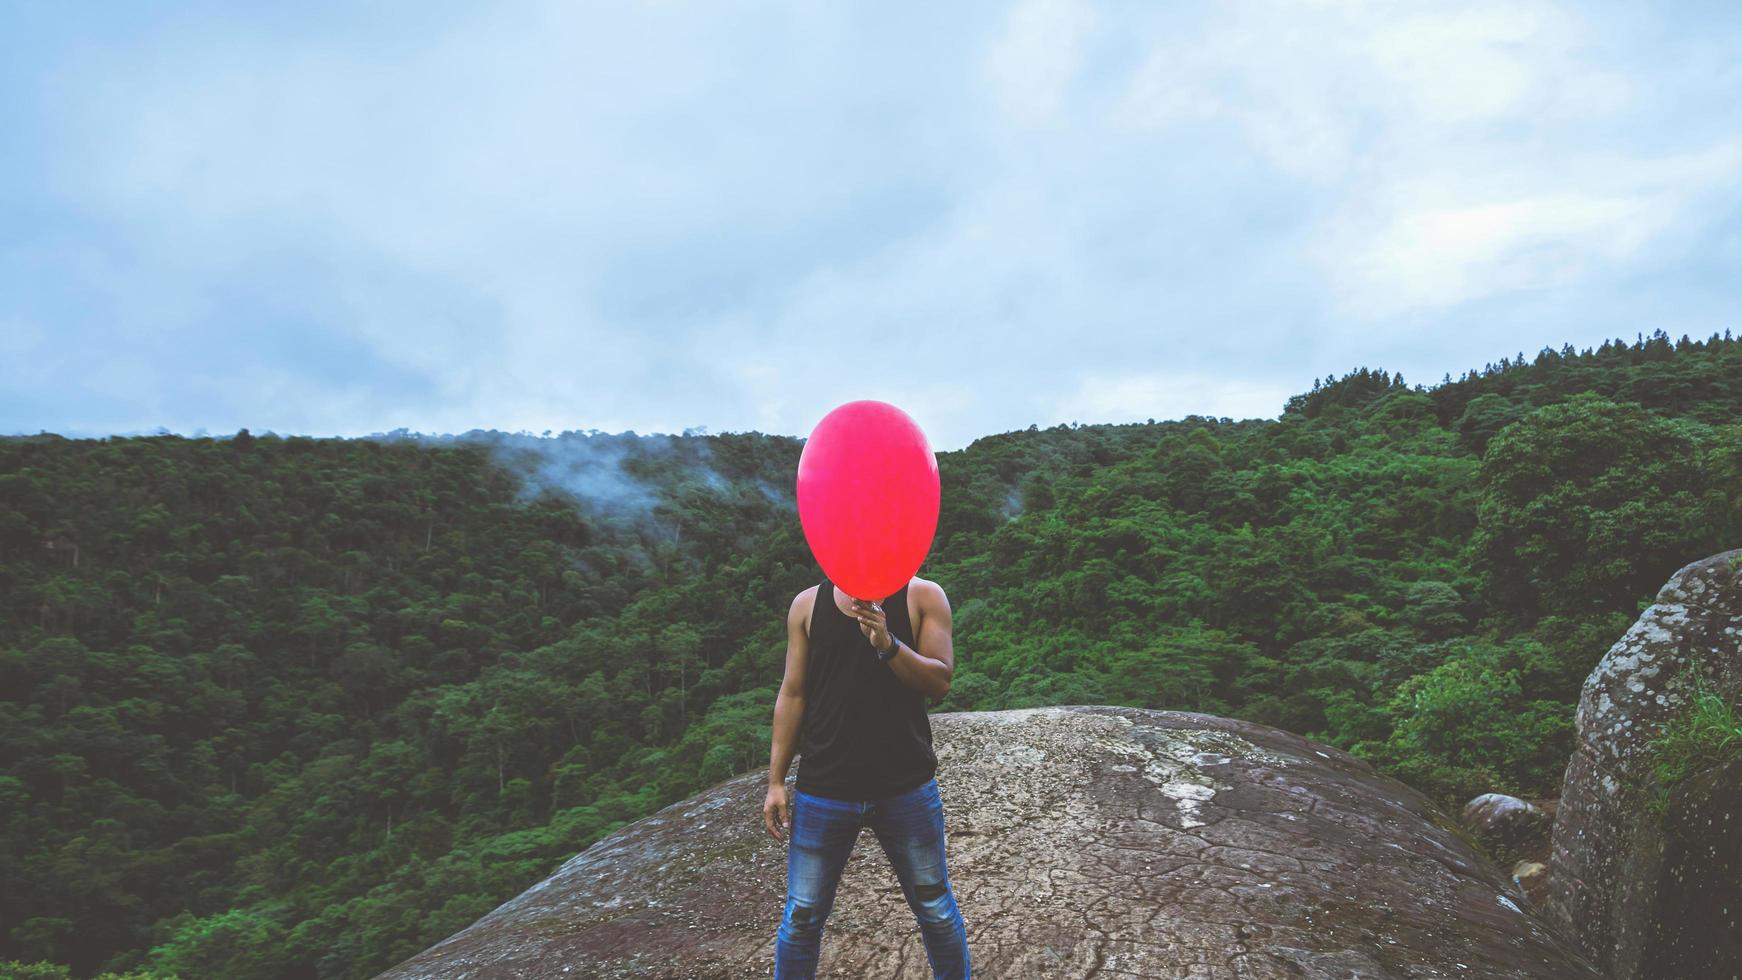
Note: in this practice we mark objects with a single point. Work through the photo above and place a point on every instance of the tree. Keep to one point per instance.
(1588, 505)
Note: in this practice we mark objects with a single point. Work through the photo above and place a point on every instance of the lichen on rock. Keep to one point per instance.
(1612, 876)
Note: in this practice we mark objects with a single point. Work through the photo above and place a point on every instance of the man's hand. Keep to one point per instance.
(777, 810)
(872, 623)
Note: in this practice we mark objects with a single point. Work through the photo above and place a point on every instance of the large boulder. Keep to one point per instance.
(1082, 841)
(1506, 826)
(1619, 873)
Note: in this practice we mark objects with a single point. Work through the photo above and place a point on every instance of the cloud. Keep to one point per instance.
(548, 216)
(1421, 247)
(1033, 60)
(1455, 151)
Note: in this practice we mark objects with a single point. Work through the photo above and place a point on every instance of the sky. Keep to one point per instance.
(335, 219)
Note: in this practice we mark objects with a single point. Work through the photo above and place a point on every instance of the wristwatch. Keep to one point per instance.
(894, 648)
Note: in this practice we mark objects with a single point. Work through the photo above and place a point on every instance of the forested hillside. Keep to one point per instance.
(289, 707)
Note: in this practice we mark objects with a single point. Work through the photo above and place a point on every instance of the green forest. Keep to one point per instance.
(274, 706)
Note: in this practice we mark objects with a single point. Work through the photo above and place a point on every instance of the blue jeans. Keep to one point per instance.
(910, 826)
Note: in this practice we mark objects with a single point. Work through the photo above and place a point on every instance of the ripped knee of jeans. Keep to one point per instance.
(933, 900)
(802, 918)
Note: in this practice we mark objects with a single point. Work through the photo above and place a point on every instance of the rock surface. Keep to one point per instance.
(1612, 879)
(1082, 842)
(1695, 934)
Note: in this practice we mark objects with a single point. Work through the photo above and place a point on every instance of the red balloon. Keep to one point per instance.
(868, 497)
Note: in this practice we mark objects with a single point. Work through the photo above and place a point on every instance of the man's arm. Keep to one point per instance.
(788, 714)
(931, 666)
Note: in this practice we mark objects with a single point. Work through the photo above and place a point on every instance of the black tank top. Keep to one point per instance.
(865, 734)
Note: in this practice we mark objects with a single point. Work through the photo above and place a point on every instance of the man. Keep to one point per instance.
(854, 701)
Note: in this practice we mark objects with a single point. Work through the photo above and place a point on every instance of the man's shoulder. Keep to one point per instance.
(927, 595)
(925, 586)
(802, 606)
(802, 601)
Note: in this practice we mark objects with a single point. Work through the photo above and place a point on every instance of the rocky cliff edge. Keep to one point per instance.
(1082, 842)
